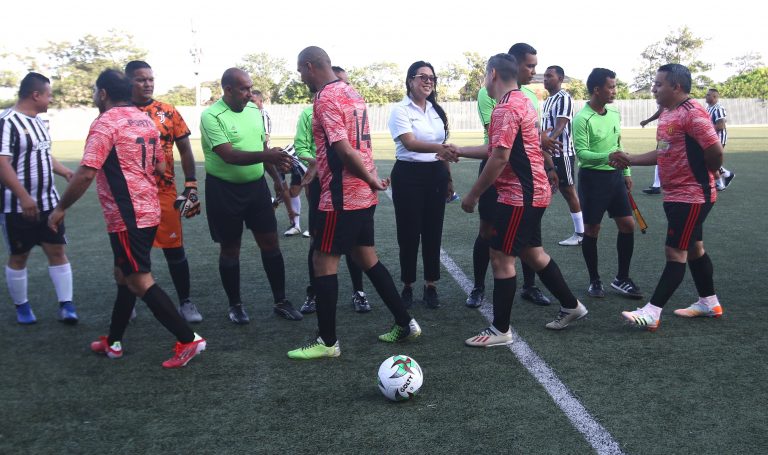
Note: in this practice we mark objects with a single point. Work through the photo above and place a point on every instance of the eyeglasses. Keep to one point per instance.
(426, 78)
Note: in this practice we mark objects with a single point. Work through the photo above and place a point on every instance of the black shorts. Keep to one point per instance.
(339, 231)
(132, 249)
(516, 228)
(685, 223)
(21, 235)
(313, 196)
(564, 167)
(295, 177)
(486, 206)
(601, 191)
(229, 204)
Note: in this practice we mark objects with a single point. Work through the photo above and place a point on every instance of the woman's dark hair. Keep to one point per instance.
(432, 98)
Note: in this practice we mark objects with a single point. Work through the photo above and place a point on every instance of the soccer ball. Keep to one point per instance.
(400, 377)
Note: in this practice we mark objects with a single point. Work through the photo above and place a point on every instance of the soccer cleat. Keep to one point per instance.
(407, 296)
(596, 289)
(293, 230)
(360, 302)
(238, 315)
(285, 310)
(184, 352)
(451, 198)
(727, 180)
(315, 349)
(305, 234)
(102, 346)
(642, 318)
(490, 337)
(430, 297)
(627, 288)
(700, 310)
(567, 315)
(652, 190)
(534, 294)
(574, 240)
(476, 298)
(67, 313)
(398, 333)
(309, 306)
(24, 314)
(189, 312)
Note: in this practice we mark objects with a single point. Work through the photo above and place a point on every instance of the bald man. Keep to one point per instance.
(236, 156)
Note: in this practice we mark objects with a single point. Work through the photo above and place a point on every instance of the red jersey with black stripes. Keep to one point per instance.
(340, 113)
(681, 137)
(123, 145)
(172, 127)
(513, 126)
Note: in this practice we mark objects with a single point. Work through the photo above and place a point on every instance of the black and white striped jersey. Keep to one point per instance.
(559, 105)
(717, 112)
(27, 143)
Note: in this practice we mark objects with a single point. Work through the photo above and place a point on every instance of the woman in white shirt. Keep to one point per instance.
(421, 179)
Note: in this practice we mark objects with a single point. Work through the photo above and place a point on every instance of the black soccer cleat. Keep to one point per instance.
(534, 294)
(596, 289)
(627, 288)
(430, 297)
(238, 315)
(284, 309)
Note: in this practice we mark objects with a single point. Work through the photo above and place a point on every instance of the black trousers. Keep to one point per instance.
(418, 192)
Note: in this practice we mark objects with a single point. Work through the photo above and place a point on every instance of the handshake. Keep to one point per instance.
(620, 159)
(448, 153)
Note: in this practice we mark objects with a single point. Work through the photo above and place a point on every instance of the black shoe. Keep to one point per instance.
(309, 306)
(285, 310)
(652, 190)
(596, 289)
(627, 288)
(476, 298)
(534, 294)
(407, 296)
(360, 302)
(238, 315)
(727, 180)
(430, 297)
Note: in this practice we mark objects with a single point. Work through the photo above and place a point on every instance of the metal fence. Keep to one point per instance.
(72, 124)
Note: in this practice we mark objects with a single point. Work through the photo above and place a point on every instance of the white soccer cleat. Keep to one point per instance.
(293, 230)
(490, 337)
(567, 315)
(574, 240)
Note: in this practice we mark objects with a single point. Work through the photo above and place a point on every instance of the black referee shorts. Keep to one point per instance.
(22, 235)
(601, 191)
(313, 196)
(229, 205)
(486, 206)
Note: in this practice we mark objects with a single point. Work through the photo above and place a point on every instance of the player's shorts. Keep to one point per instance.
(601, 191)
(169, 234)
(295, 177)
(685, 223)
(132, 249)
(564, 167)
(486, 206)
(21, 235)
(313, 196)
(338, 232)
(516, 228)
(229, 205)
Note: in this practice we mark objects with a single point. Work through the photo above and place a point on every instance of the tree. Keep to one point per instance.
(75, 66)
(378, 83)
(269, 74)
(179, 96)
(296, 92)
(622, 90)
(465, 77)
(679, 46)
(752, 84)
(577, 89)
(746, 63)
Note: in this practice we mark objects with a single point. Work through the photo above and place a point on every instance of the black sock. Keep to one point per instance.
(625, 245)
(529, 275)
(178, 266)
(503, 298)
(165, 312)
(385, 287)
(671, 277)
(589, 251)
(229, 270)
(702, 273)
(121, 313)
(356, 274)
(275, 269)
(554, 281)
(327, 294)
(311, 269)
(480, 259)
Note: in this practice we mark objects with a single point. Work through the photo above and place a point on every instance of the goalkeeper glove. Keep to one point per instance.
(187, 203)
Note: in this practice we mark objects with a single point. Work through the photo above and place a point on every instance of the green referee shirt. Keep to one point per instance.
(304, 142)
(596, 136)
(244, 130)
(485, 105)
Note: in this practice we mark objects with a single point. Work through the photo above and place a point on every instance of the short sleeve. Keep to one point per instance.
(180, 128)
(5, 137)
(399, 123)
(331, 118)
(97, 146)
(212, 130)
(504, 129)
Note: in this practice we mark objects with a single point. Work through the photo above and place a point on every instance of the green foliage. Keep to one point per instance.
(466, 76)
(746, 63)
(210, 92)
(577, 89)
(75, 66)
(378, 83)
(179, 96)
(8, 79)
(622, 90)
(269, 74)
(296, 92)
(679, 46)
(752, 84)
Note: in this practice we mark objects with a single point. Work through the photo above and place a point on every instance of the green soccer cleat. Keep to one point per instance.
(315, 349)
(398, 333)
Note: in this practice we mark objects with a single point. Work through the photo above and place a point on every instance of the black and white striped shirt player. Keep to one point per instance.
(716, 113)
(27, 143)
(560, 105)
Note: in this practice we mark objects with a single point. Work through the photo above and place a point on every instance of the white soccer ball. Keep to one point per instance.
(400, 378)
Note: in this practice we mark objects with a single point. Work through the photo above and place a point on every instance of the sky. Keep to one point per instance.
(577, 35)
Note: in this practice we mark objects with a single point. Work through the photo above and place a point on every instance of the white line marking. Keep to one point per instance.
(595, 434)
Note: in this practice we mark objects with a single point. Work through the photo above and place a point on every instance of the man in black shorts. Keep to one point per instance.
(236, 155)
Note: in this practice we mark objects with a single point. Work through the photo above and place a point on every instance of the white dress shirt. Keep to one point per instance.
(426, 126)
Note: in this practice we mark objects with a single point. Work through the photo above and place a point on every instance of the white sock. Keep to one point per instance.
(61, 275)
(653, 309)
(578, 222)
(656, 181)
(17, 284)
(296, 206)
(710, 301)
